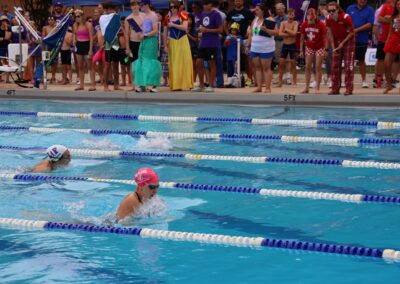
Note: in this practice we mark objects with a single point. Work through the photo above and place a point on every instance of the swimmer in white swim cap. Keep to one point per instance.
(147, 186)
(56, 156)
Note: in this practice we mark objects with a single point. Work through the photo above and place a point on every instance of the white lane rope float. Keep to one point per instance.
(225, 120)
(254, 242)
(354, 198)
(216, 136)
(240, 159)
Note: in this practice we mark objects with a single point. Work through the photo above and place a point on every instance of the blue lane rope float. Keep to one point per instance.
(355, 198)
(386, 254)
(195, 119)
(241, 159)
(216, 136)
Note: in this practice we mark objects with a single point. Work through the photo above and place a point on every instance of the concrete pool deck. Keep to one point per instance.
(287, 95)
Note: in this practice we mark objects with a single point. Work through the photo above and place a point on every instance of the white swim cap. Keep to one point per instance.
(55, 152)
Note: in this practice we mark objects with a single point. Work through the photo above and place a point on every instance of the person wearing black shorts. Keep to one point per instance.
(134, 47)
(210, 27)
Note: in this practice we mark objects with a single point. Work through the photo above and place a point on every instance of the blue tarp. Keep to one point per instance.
(158, 4)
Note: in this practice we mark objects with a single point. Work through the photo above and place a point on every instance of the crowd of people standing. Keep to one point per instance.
(188, 48)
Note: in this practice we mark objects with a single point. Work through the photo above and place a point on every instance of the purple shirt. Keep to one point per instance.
(197, 20)
(210, 20)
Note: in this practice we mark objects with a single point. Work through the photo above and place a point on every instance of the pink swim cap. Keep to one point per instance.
(145, 176)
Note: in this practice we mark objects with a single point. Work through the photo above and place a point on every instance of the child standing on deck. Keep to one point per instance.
(288, 32)
(231, 43)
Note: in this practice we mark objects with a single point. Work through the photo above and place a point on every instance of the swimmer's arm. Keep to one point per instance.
(126, 208)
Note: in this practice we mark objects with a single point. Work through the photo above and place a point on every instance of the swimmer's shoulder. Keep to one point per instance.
(43, 166)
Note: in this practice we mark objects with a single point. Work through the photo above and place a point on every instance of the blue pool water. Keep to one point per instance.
(38, 256)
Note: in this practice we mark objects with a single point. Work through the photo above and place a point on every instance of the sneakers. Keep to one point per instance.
(209, 90)
(248, 82)
(197, 89)
(153, 90)
(364, 85)
(313, 84)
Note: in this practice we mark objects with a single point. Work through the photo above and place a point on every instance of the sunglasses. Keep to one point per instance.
(134, 4)
(154, 186)
(331, 11)
(173, 7)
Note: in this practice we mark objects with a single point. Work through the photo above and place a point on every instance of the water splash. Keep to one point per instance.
(158, 143)
(100, 144)
(154, 208)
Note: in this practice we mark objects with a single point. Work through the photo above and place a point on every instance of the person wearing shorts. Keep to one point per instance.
(210, 28)
(288, 32)
(111, 50)
(262, 48)
(313, 34)
(363, 20)
(66, 54)
(83, 35)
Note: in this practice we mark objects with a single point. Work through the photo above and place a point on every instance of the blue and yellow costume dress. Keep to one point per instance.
(180, 62)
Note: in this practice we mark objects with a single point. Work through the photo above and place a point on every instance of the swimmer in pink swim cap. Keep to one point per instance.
(147, 186)
(56, 156)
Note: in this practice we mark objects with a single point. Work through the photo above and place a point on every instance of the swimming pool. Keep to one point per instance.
(38, 256)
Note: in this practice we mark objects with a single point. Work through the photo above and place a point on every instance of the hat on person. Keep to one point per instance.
(145, 2)
(55, 152)
(4, 18)
(145, 176)
(234, 26)
(59, 4)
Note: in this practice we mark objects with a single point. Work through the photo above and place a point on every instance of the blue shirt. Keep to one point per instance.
(360, 18)
(231, 49)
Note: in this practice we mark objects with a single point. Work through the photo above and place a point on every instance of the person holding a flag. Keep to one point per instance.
(147, 68)
(110, 26)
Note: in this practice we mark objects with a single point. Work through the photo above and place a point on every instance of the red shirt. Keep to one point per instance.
(387, 9)
(315, 34)
(340, 28)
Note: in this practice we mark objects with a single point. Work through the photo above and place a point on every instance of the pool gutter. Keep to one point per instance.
(361, 100)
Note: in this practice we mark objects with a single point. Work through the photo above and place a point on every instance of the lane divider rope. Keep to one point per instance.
(355, 198)
(241, 159)
(216, 136)
(386, 254)
(195, 119)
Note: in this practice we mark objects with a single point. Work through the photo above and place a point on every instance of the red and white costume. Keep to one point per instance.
(315, 37)
(340, 29)
(393, 43)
